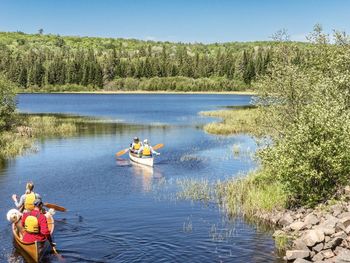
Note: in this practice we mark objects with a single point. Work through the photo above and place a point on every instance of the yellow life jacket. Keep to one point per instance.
(31, 224)
(146, 151)
(29, 201)
(137, 146)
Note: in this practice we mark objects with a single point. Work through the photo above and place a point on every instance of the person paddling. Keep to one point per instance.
(35, 224)
(146, 150)
(26, 202)
(136, 145)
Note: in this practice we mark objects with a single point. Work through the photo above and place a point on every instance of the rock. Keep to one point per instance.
(340, 234)
(336, 208)
(343, 215)
(285, 220)
(345, 221)
(299, 244)
(301, 260)
(343, 256)
(318, 257)
(327, 238)
(347, 190)
(330, 221)
(311, 219)
(297, 226)
(313, 237)
(328, 253)
(333, 243)
(338, 250)
(318, 247)
(347, 230)
(294, 254)
(326, 230)
(337, 212)
(339, 227)
(344, 244)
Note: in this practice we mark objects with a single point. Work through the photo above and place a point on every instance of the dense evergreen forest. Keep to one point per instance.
(41, 62)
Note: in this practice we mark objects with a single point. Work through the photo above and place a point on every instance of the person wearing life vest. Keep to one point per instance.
(26, 202)
(146, 150)
(136, 145)
(35, 224)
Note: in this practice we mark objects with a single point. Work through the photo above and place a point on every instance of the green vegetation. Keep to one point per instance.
(18, 132)
(308, 120)
(54, 63)
(303, 121)
(22, 136)
(234, 121)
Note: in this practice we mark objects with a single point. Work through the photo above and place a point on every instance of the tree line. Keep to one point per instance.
(44, 61)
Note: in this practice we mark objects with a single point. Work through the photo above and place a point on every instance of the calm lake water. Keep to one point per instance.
(122, 212)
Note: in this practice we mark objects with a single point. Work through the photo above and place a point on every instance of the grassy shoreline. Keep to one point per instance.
(102, 92)
(233, 121)
(30, 128)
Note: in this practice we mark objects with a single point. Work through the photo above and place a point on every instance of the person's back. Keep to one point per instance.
(35, 225)
(26, 202)
(146, 149)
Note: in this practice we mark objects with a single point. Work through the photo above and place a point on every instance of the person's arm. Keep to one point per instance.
(153, 151)
(21, 200)
(140, 150)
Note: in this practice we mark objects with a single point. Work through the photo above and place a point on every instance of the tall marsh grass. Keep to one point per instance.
(233, 121)
(45, 126)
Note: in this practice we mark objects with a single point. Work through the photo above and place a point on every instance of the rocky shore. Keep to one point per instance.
(321, 234)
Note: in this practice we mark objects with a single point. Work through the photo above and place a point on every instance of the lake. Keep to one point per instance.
(122, 212)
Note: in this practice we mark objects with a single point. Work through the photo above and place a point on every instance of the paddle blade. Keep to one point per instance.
(158, 146)
(56, 207)
(120, 153)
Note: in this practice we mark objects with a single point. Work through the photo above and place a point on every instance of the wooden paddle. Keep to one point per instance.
(59, 256)
(120, 153)
(56, 207)
(158, 146)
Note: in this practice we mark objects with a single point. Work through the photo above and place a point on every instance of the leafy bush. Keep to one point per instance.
(308, 120)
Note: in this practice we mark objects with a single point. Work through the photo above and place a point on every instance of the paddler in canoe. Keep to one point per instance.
(32, 231)
(146, 150)
(26, 202)
(135, 145)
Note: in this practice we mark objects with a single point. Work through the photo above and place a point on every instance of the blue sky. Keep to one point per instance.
(175, 20)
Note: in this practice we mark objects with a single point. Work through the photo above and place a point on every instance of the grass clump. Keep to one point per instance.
(233, 121)
(46, 126)
(253, 195)
(13, 144)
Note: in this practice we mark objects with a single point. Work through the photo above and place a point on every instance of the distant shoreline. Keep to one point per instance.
(146, 92)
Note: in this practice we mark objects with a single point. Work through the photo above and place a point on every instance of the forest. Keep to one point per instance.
(38, 62)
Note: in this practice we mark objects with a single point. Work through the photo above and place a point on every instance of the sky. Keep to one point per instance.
(205, 21)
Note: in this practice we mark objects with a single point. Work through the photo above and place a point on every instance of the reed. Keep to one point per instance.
(233, 121)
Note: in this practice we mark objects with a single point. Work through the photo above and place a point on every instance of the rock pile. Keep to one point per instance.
(320, 235)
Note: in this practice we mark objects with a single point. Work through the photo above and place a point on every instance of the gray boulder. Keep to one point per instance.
(343, 256)
(313, 237)
(345, 221)
(333, 243)
(297, 226)
(294, 254)
(301, 260)
(311, 219)
(285, 220)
